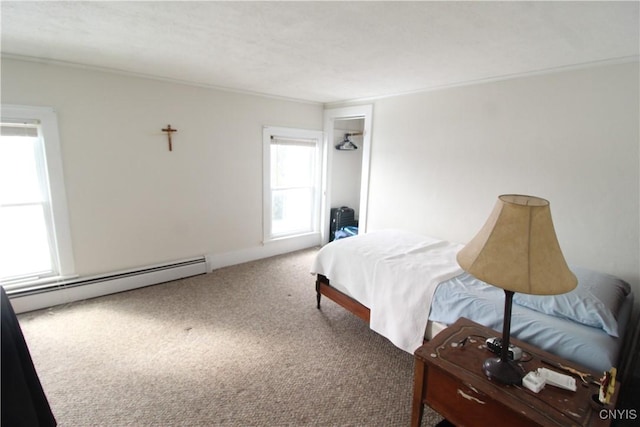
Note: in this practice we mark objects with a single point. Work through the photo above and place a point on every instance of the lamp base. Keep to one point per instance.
(505, 371)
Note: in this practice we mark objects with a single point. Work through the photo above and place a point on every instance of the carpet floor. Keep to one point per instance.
(241, 346)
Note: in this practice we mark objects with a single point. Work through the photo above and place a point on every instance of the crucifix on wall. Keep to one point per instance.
(169, 131)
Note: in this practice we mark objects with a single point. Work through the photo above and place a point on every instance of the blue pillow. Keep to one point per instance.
(596, 301)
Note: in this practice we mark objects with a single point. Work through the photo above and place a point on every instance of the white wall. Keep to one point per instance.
(131, 201)
(440, 159)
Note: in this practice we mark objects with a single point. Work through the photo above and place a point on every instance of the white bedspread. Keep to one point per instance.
(403, 290)
(395, 274)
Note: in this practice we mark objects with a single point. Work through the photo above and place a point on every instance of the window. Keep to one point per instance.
(292, 175)
(35, 244)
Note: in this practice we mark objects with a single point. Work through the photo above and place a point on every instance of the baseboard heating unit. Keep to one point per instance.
(29, 298)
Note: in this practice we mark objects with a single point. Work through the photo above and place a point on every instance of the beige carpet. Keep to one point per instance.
(242, 346)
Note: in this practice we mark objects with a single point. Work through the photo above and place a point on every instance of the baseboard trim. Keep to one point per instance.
(266, 250)
(96, 286)
(92, 287)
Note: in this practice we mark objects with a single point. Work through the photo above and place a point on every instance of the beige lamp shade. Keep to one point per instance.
(517, 249)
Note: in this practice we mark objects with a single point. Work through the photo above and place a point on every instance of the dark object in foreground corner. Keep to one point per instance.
(23, 400)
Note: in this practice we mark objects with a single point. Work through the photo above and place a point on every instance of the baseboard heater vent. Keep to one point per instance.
(47, 294)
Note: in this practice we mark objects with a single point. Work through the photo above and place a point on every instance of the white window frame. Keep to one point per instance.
(63, 260)
(290, 133)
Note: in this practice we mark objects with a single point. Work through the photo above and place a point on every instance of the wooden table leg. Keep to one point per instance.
(419, 383)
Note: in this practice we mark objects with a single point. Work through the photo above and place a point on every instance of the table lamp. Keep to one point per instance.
(517, 250)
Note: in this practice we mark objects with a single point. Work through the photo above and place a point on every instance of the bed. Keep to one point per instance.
(409, 287)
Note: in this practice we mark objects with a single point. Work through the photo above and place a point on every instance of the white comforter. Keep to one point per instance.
(396, 281)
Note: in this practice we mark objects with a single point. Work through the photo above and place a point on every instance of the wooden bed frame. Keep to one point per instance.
(323, 287)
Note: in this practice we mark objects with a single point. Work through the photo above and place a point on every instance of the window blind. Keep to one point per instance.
(280, 140)
(26, 128)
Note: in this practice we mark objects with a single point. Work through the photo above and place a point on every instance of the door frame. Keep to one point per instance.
(330, 116)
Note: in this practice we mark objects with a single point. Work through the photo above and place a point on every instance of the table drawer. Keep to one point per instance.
(464, 405)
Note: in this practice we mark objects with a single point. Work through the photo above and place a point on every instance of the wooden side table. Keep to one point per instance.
(449, 378)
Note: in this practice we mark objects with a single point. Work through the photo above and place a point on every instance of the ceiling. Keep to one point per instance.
(323, 51)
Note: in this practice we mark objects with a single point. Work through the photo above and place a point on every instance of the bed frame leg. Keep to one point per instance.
(318, 294)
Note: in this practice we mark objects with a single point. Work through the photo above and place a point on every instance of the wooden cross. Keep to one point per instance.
(169, 131)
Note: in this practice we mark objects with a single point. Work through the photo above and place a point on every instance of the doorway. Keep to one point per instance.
(347, 156)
